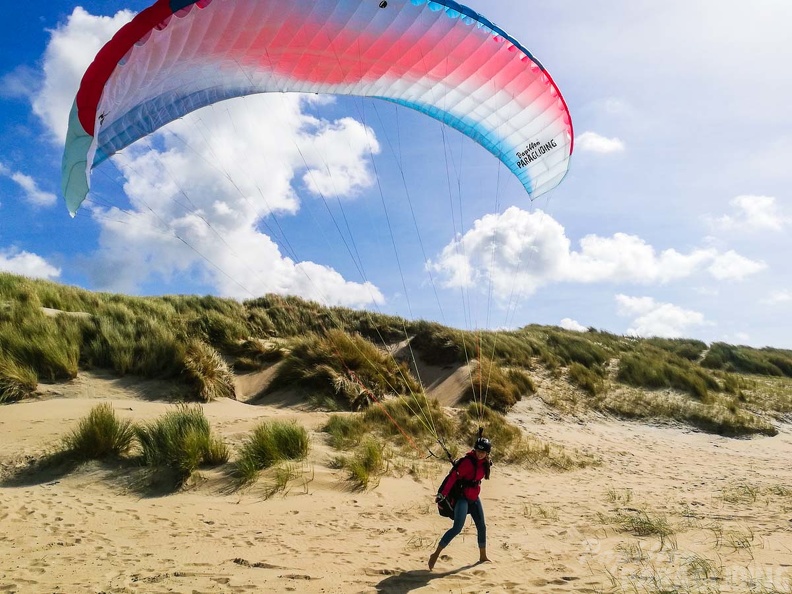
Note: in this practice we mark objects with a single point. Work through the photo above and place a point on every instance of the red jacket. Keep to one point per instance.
(469, 469)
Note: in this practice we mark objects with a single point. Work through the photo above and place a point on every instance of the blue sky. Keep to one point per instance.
(674, 219)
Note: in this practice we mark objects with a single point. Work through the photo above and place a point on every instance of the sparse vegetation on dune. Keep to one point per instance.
(339, 357)
(345, 367)
(395, 419)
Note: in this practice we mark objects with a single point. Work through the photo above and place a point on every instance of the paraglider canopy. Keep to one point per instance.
(437, 57)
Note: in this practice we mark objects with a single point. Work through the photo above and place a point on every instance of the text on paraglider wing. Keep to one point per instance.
(533, 151)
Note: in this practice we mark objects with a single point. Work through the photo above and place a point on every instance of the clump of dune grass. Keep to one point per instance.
(345, 431)
(345, 367)
(17, 381)
(686, 348)
(572, 347)
(49, 346)
(99, 435)
(589, 380)
(179, 443)
(254, 353)
(269, 443)
(206, 370)
(651, 368)
(743, 359)
(134, 338)
(492, 385)
(412, 421)
(365, 466)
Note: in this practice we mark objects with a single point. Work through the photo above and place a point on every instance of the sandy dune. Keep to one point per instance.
(727, 503)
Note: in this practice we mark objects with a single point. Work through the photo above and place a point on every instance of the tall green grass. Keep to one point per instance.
(269, 443)
(99, 435)
(492, 385)
(345, 430)
(365, 465)
(345, 367)
(409, 421)
(653, 369)
(590, 380)
(49, 346)
(686, 348)
(207, 372)
(335, 354)
(742, 359)
(180, 442)
(17, 381)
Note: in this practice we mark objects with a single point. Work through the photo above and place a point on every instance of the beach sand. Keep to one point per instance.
(725, 505)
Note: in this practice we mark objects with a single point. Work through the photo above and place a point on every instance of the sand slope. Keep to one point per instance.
(728, 504)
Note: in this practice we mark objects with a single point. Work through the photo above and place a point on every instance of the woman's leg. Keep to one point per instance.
(477, 513)
(460, 515)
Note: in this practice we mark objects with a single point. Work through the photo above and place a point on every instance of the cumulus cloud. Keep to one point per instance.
(751, 213)
(70, 50)
(594, 143)
(202, 191)
(652, 318)
(333, 171)
(27, 264)
(523, 251)
(570, 324)
(516, 249)
(733, 266)
(32, 193)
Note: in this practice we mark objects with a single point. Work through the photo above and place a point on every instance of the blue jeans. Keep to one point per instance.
(462, 508)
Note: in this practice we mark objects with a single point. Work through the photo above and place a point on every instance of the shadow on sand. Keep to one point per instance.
(407, 581)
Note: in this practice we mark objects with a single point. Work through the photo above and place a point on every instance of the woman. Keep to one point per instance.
(474, 467)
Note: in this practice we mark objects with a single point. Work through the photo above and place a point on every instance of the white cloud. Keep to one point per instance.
(33, 194)
(69, 52)
(627, 258)
(516, 249)
(207, 225)
(520, 250)
(751, 213)
(27, 264)
(594, 143)
(733, 266)
(334, 170)
(570, 324)
(651, 318)
(198, 206)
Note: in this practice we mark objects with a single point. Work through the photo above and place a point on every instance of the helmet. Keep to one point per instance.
(483, 444)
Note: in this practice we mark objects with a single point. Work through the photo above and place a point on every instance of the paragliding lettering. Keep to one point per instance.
(534, 151)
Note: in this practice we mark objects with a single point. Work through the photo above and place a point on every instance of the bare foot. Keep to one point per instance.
(432, 560)
(485, 560)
